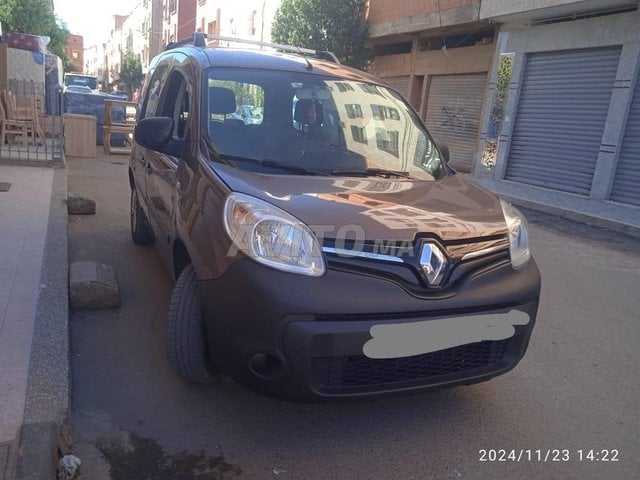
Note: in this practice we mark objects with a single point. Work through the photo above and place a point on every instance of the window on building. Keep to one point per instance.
(387, 141)
(232, 26)
(252, 23)
(353, 110)
(172, 6)
(367, 88)
(75, 55)
(359, 134)
(381, 112)
(211, 28)
(343, 87)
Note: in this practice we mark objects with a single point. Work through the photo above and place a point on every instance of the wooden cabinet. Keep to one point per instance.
(80, 135)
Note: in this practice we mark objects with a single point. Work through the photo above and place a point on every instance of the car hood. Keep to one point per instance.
(453, 208)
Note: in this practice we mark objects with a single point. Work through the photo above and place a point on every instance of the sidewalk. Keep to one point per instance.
(34, 371)
(609, 215)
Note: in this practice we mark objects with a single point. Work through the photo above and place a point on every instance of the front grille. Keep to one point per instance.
(358, 370)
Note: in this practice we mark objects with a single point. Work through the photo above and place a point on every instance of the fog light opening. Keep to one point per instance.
(265, 366)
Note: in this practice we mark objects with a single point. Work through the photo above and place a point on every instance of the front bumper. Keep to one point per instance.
(302, 338)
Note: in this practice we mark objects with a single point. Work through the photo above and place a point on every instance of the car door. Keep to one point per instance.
(162, 166)
(139, 155)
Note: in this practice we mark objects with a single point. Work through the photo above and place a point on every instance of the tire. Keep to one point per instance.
(186, 342)
(140, 230)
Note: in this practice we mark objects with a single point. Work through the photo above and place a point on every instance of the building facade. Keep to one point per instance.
(438, 55)
(75, 52)
(179, 20)
(139, 32)
(248, 19)
(570, 121)
(93, 61)
(543, 93)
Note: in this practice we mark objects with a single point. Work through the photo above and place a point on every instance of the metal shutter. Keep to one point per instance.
(560, 119)
(454, 106)
(626, 184)
(400, 84)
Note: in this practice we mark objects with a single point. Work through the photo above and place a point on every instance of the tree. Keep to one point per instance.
(131, 72)
(336, 25)
(33, 17)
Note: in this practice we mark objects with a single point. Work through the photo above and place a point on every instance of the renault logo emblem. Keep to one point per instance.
(433, 264)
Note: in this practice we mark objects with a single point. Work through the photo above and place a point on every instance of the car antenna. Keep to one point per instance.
(309, 66)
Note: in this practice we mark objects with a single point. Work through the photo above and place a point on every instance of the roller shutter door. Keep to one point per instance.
(561, 115)
(400, 84)
(454, 106)
(626, 184)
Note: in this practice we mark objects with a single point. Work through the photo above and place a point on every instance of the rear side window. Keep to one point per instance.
(235, 101)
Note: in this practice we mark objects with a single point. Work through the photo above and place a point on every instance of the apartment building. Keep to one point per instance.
(138, 32)
(248, 19)
(179, 20)
(75, 52)
(94, 61)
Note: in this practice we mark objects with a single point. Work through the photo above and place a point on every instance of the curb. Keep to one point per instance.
(593, 220)
(49, 381)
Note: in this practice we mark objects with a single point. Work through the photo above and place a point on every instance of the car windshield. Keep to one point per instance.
(81, 81)
(318, 123)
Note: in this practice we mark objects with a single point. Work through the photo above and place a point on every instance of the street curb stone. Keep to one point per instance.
(49, 380)
(93, 286)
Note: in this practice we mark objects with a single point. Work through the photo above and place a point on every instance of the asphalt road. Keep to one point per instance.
(577, 388)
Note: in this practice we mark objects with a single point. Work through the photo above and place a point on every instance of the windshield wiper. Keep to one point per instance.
(268, 163)
(371, 172)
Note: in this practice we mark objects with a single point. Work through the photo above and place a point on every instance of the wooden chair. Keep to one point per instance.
(116, 127)
(11, 128)
(24, 109)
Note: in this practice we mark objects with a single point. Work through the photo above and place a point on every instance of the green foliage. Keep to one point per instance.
(336, 25)
(33, 17)
(131, 72)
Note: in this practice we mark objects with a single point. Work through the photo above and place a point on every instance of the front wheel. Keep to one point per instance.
(187, 347)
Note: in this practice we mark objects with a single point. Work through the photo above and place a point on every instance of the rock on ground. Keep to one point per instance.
(80, 205)
(93, 286)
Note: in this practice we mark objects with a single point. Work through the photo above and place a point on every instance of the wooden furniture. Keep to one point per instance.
(25, 111)
(80, 135)
(126, 127)
(10, 129)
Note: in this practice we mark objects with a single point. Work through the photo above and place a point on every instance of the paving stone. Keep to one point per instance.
(93, 286)
(77, 205)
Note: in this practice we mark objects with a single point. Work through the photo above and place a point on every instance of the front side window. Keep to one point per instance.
(318, 123)
(156, 84)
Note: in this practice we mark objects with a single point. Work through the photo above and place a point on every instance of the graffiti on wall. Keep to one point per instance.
(499, 104)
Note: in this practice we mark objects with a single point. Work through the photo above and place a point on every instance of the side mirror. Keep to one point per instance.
(444, 149)
(154, 133)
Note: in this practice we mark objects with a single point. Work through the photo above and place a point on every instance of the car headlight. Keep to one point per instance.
(271, 236)
(518, 235)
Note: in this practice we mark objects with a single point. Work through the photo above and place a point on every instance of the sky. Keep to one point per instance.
(93, 19)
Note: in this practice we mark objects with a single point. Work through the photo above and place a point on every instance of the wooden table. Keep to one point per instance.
(118, 127)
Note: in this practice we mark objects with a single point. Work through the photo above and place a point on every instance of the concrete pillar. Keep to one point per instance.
(504, 141)
(623, 89)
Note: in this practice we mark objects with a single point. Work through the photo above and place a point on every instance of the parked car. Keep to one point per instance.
(79, 89)
(328, 251)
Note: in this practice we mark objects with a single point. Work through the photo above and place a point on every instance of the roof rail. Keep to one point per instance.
(201, 40)
(198, 40)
